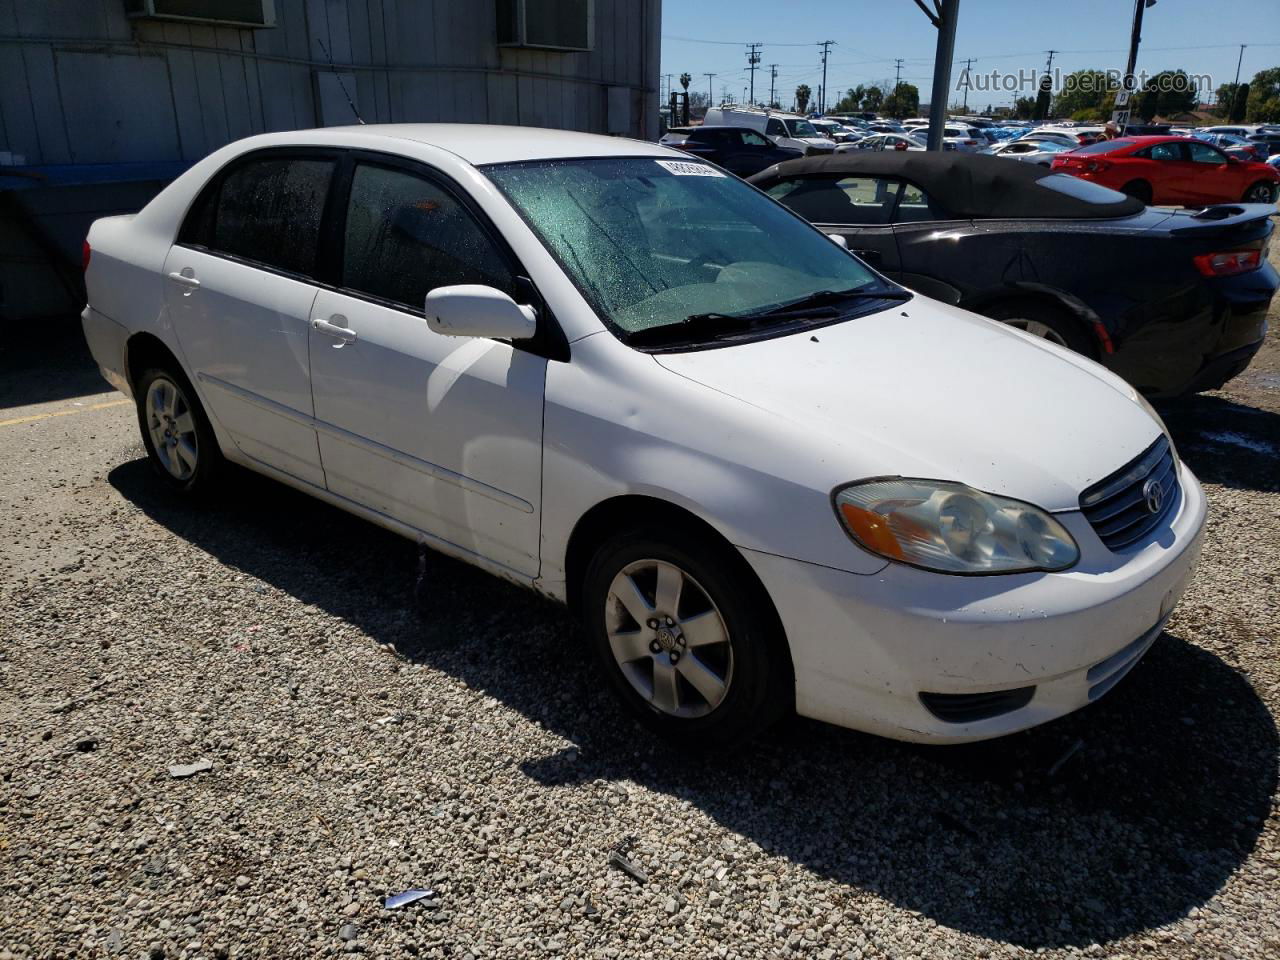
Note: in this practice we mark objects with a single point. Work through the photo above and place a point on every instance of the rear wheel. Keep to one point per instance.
(1139, 190)
(1044, 320)
(685, 637)
(175, 431)
(1264, 191)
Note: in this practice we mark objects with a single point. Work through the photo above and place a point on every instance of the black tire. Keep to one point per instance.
(1139, 190)
(1264, 191)
(1021, 312)
(760, 686)
(196, 481)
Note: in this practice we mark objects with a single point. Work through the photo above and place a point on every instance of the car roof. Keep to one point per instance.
(966, 185)
(482, 143)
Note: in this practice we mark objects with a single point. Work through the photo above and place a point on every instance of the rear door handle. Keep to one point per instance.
(185, 279)
(345, 334)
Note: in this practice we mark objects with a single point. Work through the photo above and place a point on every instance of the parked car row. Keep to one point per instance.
(765, 475)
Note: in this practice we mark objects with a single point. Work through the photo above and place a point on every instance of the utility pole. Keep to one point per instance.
(967, 64)
(753, 58)
(773, 76)
(1239, 60)
(822, 93)
(897, 82)
(710, 92)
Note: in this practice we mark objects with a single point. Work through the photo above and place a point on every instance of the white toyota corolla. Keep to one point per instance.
(764, 476)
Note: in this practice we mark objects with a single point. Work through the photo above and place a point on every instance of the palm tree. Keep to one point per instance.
(802, 97)
(685, 80)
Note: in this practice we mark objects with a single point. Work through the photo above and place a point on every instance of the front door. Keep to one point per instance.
(441, 433)
(239, 290)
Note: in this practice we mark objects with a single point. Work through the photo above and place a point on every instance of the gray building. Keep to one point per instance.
(103, 101)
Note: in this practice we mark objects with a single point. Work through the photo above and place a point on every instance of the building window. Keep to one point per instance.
(546, 24)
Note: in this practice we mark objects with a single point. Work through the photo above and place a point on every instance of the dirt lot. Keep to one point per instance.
(360, 748)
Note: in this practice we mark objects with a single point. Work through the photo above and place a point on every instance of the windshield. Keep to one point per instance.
(800, 128)
(651, 242)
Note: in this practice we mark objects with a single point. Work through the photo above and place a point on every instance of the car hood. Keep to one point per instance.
(926, 390)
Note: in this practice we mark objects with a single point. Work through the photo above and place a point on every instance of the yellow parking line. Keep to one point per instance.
(62, 413)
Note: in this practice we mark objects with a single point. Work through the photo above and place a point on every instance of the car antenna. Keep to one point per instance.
(341, 82)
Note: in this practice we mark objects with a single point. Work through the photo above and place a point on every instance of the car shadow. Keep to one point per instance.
(46, 361)
(1225, 442)
(1113, 821)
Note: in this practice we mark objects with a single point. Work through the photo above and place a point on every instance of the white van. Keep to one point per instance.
(784, 129)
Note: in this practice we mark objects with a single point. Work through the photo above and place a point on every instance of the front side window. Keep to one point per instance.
(844, 200)
(653, 242)
(774, 128)
(266, 211)
(1203, 153)
(801, 128)
(405, 236)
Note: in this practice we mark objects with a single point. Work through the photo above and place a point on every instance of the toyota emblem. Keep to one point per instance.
(1153, 494)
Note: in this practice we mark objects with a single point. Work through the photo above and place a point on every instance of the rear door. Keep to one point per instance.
(856, 208)
(441, 433)
(240, 283)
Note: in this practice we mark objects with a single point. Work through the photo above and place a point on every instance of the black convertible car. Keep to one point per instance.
(1171, 301)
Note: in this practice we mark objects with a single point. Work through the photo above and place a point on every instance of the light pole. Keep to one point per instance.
(1120, 116)
(944, 15)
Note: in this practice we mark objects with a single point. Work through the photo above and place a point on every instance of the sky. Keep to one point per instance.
(1008, 36)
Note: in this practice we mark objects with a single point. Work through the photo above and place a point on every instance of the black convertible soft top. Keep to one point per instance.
(965, 185)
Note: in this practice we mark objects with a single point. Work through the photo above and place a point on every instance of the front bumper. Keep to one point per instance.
(865, 648)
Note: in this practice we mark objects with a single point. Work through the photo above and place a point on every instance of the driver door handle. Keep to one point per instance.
(184, 279)
(345, 334)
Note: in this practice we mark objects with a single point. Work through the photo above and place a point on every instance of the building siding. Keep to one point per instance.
(82, 83)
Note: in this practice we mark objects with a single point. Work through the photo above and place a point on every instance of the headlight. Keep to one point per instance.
(951, 528)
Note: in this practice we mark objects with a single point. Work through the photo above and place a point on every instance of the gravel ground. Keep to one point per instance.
(361, 746)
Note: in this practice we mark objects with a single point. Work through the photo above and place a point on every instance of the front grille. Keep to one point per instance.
(971, 707)
(1119, 507)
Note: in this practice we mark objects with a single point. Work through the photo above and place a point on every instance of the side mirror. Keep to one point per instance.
(838, 240)
(474, 310)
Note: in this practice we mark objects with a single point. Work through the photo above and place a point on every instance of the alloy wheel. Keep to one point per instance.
(668, 638)
(1037, 329)
(172, 427)
(1260, 193)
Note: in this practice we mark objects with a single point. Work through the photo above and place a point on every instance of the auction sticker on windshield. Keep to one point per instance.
(682, 169)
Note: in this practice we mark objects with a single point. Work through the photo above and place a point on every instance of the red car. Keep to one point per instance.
(1177, 171)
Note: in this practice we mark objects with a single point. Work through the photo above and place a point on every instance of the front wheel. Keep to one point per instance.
(175, 431)
(1263, 191)
(685, 638)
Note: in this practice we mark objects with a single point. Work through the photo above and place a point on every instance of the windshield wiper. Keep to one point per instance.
(817, 305)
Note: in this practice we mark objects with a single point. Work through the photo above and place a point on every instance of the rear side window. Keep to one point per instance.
(265, 211)
(856, 200)
(405, 236)
(774, 128)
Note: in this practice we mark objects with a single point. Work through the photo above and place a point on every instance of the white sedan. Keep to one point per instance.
(765, 477)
